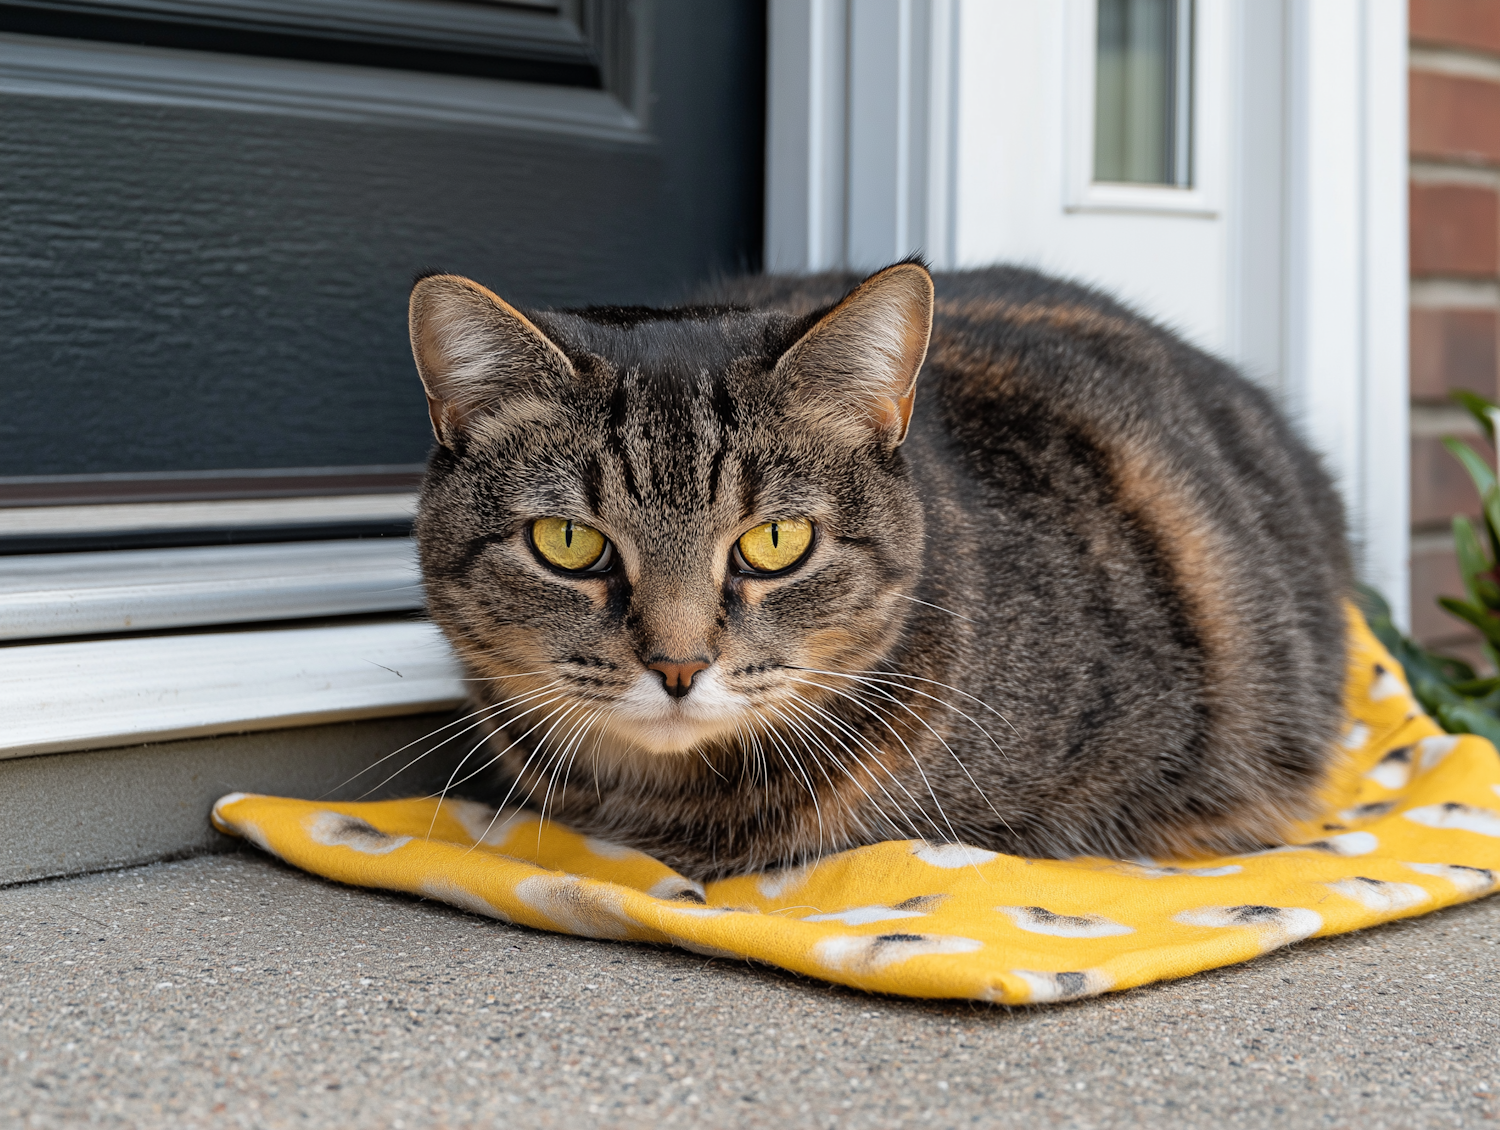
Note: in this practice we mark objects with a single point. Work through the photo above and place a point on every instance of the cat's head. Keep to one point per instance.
(667, 527)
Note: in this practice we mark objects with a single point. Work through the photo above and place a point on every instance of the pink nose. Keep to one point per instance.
(677, 674)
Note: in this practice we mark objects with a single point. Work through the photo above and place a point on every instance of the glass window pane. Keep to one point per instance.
(1143, 80)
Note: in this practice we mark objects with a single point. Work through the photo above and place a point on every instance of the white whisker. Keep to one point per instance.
(507, 705)
(913, 690)
(803, 706)
(875, 759)
(946, 687)
(494, 759)
(929, 604)
(784, 751)
(951, 751)
(416, 741)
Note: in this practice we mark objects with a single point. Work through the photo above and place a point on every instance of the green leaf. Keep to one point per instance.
(1469, 720)
(1471, 558)
(1479, 470)
(1433, 693)
(1445, 686)
(1480, 408)
(1477, 688)
(1486, 621)
(1492, 517)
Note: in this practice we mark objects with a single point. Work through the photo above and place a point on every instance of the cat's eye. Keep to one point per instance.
(774, 546)
(571, 545)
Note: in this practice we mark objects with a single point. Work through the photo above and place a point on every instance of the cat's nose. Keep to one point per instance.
(677, 674)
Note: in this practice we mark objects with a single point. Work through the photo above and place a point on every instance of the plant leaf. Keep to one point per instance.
(1477, 688)
(1487, 622)
(1492, 517)
(1471, 558)
(1479, 408)
(1478, 469)
(1371, 603)
(1468, 719)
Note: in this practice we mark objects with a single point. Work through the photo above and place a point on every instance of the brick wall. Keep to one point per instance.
(1455, 269)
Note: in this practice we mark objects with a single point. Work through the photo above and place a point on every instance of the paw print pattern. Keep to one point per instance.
(456, 894)
(335, 829)
(1381, 896)
(1049, 988)
(953, 855)
(869, 953)
(1362, 812)
(1146, 869)
(1472, 881)
(1038, 920)
(1274, 926)
(1452, 815)
(1393, 770)
(864, 915)
(1386, 685)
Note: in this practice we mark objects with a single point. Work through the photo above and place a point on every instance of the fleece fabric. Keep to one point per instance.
(1410, 823)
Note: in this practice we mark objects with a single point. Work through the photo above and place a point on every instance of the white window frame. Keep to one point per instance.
(1210, 97)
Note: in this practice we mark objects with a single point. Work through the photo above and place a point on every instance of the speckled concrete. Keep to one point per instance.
(232, 991)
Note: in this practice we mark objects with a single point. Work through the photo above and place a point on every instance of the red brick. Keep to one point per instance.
(1454, 230)
(1435, 574)
(1472, 24)
(1453, 349)
(1440, 487)
(1454, 118)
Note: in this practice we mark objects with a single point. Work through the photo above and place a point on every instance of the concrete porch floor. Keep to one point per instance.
(229, 990)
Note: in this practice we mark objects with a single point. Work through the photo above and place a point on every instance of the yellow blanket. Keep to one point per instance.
(1411, 824)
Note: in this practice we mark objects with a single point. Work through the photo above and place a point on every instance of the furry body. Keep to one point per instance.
(1093, 604)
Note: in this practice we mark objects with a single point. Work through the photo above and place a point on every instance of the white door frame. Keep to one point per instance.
(865, 164)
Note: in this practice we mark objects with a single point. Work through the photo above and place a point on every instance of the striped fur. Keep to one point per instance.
(1092, 604)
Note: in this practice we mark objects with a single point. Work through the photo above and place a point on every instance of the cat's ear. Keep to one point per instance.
(470, 345)
(862, 357)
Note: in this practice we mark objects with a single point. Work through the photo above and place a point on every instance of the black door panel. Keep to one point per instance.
(189, 288)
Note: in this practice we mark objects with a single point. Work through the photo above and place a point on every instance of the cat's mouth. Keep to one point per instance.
(649, 718)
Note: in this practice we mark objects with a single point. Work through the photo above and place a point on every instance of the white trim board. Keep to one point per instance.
(159, 76)
(74, 594)
(125, 517)
(1346, 268)
(860, 128)
(59, 697)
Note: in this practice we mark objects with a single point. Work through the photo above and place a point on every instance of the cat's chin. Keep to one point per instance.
(662, 739)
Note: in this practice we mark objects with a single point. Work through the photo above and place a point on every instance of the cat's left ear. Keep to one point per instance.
(862, 358)
(474, 352)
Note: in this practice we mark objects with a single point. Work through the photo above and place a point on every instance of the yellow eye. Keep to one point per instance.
(774, 546)
(568, 544)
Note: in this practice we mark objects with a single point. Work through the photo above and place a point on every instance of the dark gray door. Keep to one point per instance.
(212, 211)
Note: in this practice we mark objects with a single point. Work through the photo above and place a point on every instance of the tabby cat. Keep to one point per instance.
(979, 557)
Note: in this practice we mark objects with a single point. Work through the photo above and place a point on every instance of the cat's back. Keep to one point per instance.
(1024, 370)
(1174, 489)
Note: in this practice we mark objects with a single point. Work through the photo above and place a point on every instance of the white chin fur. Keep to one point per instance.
(648, 717)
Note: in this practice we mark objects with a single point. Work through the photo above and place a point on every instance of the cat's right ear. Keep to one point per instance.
(860, 361)
(469, 345)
